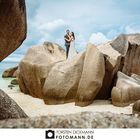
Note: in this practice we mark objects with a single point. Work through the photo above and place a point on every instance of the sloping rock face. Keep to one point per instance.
(35, 66)
(92, 76)
(9, 109)
(78, 80)
(136, 77)
(129, 47)
(126, 91)
(12, 26)
(62, 81)
(80, 120)
(12, 72)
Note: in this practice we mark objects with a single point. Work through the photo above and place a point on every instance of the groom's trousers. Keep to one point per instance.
(67, 49)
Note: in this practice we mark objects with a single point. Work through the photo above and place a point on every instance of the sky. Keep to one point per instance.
(95, 21)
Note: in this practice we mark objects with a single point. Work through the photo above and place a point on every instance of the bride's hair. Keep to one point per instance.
(73, 35)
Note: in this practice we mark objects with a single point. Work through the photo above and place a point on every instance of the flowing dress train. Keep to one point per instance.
(72, 51)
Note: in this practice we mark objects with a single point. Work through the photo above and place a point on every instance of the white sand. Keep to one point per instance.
(36, 107)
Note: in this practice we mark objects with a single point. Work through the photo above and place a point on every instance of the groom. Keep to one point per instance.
(67, 42)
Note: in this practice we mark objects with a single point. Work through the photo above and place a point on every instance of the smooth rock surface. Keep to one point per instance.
(9, 108)
(12, 26)
(36, 65)
(126, 91)
(43, 73)
(62, 81)
(76, 80)
(92, 76)
(129, 47)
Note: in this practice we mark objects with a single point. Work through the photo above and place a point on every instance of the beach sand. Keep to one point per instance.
(36, 107)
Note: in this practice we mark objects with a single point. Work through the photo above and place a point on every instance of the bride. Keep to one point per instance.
(72, 50)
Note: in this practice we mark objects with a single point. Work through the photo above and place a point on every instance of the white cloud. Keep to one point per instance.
(98, 38)
(43, 30)
(48, 20)
(50, 26)
(130, 30)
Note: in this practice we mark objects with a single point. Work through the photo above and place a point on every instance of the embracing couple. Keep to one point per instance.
(70, 44)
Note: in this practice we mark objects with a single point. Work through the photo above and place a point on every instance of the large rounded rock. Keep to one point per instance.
(126, 91)
(62, 81)
(12, 26)
(9, 109)
(79, 79)
(43, 73)
(92, 76)
(11, 72)
(36, 65)
(123, 42)
(129, 47)
(121, 54)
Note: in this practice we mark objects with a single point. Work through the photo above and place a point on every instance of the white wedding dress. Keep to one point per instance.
(72, 50)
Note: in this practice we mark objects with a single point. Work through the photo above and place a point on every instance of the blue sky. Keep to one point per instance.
(95, 21)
